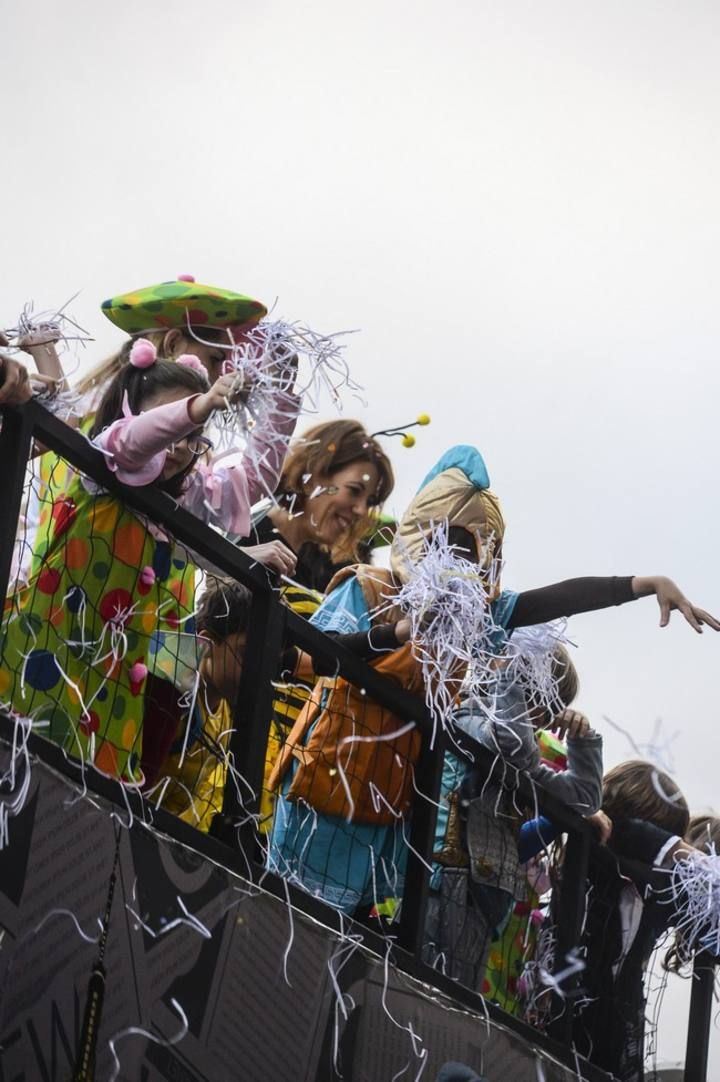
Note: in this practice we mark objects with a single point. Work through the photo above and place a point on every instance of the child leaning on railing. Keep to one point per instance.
(104, 582)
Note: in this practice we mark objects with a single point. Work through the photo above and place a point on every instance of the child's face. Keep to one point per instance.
(222, 664)
(342, 500)
(212, 357)
(185, 451)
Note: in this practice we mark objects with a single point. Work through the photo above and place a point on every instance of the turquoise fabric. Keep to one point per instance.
(345, 864)
(462, 457)
(344, 610)
(502, 609)
(350, 865)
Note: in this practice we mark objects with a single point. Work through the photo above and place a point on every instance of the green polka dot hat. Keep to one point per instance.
(179, 303)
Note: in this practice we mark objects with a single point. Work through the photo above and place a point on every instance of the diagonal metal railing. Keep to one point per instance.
(271, 626)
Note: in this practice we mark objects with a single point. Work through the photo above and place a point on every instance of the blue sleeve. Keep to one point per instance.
(503, 608)
(535, 835)
(344, 610)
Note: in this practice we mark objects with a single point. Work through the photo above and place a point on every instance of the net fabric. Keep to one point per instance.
(95, 591)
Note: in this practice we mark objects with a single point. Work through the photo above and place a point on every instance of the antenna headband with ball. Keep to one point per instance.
(407, 440)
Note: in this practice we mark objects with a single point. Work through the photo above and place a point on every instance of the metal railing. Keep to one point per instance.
(233, 840)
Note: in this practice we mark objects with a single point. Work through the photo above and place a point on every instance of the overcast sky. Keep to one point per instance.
(515, 202)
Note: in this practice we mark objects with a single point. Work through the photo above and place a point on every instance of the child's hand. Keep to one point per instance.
(670, 596)
(274, 555)
(603, 824)
(223, 392)
(45, 334)
(403, 630)
(571, 723)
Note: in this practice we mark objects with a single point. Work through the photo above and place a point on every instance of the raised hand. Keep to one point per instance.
(224, 391)
(669, 597)
(571, 722)
(274, 555)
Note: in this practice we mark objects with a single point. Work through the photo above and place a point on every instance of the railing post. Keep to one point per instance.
(700, 1018)
(251, 720)
(569, 921)
(15, 447)
(428, 778)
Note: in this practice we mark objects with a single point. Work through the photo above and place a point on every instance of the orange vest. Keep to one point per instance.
(351, 766)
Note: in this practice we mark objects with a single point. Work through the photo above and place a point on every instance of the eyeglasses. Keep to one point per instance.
(196, 445)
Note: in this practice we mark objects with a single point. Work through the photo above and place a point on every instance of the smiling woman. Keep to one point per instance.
(333, 476)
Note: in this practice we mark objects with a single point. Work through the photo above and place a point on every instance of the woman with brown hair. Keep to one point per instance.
(331, 478)
(334, 474)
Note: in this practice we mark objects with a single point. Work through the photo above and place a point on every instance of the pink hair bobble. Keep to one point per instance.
(189, 360)
(143, 353)
(186, 277)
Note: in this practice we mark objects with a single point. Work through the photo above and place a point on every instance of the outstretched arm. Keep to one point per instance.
(136, 445)
(589, 594)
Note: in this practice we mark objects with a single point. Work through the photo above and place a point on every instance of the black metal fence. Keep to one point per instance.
(234, 840)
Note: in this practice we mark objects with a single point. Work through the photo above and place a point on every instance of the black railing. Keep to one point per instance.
(271, 626)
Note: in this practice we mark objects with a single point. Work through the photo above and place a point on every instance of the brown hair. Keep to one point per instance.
(567, 682)
(223, 607)
(639, 790)
(702, 831)
(319, 453)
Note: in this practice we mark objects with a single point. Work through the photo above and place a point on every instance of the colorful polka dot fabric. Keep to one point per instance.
(509, 955)
(179, 304)
(80, 636)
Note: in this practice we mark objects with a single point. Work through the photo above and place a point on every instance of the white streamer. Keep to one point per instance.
(138, 1031)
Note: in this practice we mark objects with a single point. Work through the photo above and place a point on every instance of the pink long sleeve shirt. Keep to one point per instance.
(222, 494)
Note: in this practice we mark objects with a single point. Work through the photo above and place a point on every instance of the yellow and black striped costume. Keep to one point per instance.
(289, 700)
(195, 790)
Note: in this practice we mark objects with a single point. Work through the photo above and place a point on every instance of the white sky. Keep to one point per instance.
(516, 203)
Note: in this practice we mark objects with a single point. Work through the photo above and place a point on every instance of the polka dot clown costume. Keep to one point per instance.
(108, 591)
(79, 638)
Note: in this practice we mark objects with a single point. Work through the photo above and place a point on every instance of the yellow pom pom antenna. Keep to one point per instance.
(406, 439)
